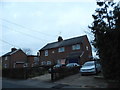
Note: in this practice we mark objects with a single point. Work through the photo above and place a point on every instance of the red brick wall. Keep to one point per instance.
(30, 60)
(53, 57)
(19, 56)
(68, 49)
(6, 62)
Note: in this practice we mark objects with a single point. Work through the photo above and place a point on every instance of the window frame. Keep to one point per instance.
(76, 47)
(49, 62)
(46, 52)
(61, 49)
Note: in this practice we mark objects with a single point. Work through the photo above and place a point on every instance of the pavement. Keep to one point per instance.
(73, 81)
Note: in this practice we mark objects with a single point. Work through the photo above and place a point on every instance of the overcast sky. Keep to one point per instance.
(34, 24)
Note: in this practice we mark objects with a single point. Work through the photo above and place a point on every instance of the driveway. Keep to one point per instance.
(76, 81)
(90, 81)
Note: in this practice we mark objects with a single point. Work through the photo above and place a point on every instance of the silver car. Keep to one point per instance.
(90, 67)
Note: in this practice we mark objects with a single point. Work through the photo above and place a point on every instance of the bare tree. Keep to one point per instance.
(28, 51)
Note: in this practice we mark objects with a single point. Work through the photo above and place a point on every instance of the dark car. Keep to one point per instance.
(56, 66)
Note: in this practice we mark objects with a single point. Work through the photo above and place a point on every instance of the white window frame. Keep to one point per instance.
(46, 52)
(76, 47)
(61, 49)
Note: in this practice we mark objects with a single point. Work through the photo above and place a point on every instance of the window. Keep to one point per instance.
(48, 62)
(76, 47)
(62, 49)
(46, 52)
(25, 65)
(86, 47)
(6, 58)
(43, 63)
(32, 65)
(5, 66)
(36, 60)
(58, 61)
(61, 61)
(53, 51)
(38, 53)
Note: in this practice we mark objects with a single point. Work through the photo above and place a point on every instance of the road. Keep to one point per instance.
(6, 84)
(73, 81)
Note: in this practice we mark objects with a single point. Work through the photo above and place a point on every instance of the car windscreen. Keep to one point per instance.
(89, 64)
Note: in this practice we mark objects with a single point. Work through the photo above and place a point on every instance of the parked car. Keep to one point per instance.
(56, 66)
(69, 65)
(90, 67)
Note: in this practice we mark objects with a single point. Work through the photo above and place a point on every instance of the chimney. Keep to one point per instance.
(60, 39)
(13, 49)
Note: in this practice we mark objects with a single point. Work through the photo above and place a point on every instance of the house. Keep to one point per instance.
(77, 49)
(33, 60)
(16, 58)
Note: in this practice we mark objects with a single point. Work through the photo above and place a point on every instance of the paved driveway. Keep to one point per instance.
(76, 81)
(84, 81)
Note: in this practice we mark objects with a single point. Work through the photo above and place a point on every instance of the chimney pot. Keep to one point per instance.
(13, 49)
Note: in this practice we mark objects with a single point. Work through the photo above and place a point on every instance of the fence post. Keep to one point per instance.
(52, 74)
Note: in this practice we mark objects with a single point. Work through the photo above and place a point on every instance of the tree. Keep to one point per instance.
(106, 30)
(27, 51)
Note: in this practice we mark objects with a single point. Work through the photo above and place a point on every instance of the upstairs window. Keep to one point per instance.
(76, 47)
(6, 58)
(86, 47)
(46, 52)
(62, 49)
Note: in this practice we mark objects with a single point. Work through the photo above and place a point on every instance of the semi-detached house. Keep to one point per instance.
(73, 50)
(16, 58)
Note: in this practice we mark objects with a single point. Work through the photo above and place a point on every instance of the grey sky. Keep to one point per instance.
(34, 24)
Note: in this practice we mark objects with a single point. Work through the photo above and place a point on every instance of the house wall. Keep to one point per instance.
(31, 61)
(19, 56)
(53, 57)
(88, 53)
(7, 62)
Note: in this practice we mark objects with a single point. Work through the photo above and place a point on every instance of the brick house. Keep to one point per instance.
(33, 60)
(16, 58)
(77, 49)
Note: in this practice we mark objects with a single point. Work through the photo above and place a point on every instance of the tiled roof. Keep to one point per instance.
(10, 53)
(66, 42)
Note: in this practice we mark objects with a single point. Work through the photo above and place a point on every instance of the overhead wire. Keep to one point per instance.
(27, 28)
(26, 34)
(9, 43)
